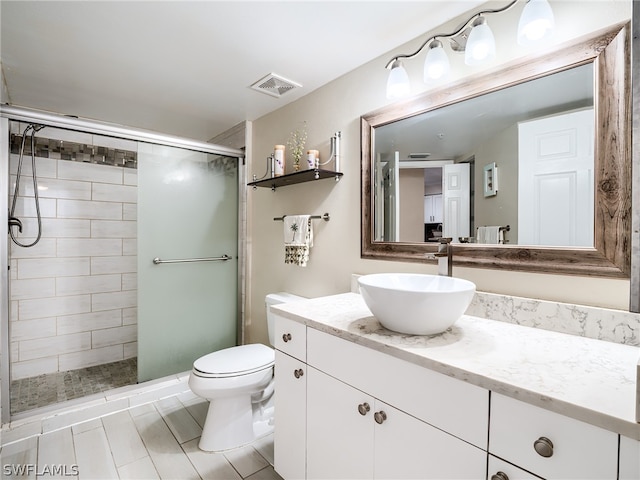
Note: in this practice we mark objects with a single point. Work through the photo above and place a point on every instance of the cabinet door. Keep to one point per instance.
(438, 212)
(406, 448)
(433, 209)
(339, 437)
(629, 459)
(290, 417)
(428, 209)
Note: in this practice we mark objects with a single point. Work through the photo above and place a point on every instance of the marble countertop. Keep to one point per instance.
(590, 380)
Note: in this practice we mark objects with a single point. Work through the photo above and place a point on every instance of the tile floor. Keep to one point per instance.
(157, 440)
(45, 390)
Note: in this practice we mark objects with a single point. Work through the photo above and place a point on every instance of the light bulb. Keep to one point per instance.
(398, 82)
(481, 46)
(436, 65)
(535, 22)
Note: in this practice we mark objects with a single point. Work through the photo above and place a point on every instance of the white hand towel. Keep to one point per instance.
(491, 234)
(298, 239)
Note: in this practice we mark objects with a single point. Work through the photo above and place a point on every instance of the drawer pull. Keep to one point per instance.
(500, 476)
(363, 408)
(380, 417)
(286, 337)
(544, 447)
(298, 373)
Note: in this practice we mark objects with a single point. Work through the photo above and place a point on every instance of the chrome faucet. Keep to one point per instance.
(444, 257)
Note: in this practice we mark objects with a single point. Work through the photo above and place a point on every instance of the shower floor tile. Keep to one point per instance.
(44, 390)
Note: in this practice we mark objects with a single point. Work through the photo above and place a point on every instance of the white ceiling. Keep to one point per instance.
(185, 68)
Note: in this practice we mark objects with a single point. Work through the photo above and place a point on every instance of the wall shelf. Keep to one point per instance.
(296, 177)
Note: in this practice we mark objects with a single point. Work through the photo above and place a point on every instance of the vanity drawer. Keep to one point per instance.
(577, 450)
(291, 337)
(451, 405)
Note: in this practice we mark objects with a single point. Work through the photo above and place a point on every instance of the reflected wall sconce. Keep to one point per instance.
(475, 39)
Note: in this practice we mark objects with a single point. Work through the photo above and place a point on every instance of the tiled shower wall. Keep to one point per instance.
(74, 294)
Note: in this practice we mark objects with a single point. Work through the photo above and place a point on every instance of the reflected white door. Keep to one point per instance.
(456, 190)
(393, 199)
(387, 199)
(555, 180)
(378, 199)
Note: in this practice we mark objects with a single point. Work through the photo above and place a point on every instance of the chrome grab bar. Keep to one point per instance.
(224, 257)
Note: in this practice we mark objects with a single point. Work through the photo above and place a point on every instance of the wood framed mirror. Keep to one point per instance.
(609, 251)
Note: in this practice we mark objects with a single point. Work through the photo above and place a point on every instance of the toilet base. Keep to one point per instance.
(233, 423)
(229, 424)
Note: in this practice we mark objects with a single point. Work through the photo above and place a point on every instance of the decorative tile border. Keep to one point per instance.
(76, 152)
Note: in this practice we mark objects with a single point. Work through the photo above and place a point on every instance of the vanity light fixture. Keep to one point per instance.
(398, 82)
(436, 65)
(475, 39)
(535, 22)
(481, 46)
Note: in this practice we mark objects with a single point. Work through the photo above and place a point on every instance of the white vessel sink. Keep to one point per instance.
(416, 304)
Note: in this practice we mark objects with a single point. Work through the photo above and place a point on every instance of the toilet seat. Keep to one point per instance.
(234, 361)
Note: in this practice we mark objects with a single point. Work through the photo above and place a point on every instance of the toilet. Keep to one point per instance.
(238, 382)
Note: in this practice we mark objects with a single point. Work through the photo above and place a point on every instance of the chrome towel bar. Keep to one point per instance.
(324, 217)
(225, 257)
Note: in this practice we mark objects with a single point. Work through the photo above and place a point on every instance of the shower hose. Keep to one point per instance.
(13, 220)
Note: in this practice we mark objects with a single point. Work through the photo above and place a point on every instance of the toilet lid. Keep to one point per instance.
(240, 360)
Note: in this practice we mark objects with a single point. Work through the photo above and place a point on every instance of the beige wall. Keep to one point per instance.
(412, 205)
(336, 254)
(501, 209)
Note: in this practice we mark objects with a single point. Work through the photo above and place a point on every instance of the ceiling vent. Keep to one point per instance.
(275, 85)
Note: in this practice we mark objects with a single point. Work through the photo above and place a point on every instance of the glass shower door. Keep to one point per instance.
(187, 209)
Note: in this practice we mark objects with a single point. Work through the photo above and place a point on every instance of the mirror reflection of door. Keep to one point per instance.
(421, 201)
(555, 181)
(387, 198)
(456, 182)
(433, 210)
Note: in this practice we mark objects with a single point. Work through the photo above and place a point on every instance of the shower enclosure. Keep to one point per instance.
(88, 295)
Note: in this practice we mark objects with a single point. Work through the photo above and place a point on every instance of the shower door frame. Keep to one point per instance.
(8, 113)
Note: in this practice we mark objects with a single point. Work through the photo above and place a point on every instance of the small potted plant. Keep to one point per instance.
(296, 143)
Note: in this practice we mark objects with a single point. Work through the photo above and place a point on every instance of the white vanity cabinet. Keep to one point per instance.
(443, 425)
(353, 435)
(371, 415)
(629, 459)
(549, 444)
(433, 210)
(290, 398)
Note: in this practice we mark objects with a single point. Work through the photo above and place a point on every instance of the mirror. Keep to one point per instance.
(551, 204)
(478, 161)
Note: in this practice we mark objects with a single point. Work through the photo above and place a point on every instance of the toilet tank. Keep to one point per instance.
(274, 299)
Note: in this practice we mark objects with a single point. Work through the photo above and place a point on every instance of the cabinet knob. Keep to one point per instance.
(363, 408)
(286, 337)
(500, 476)
(298, 373)
(544, 447)
(380, 417)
